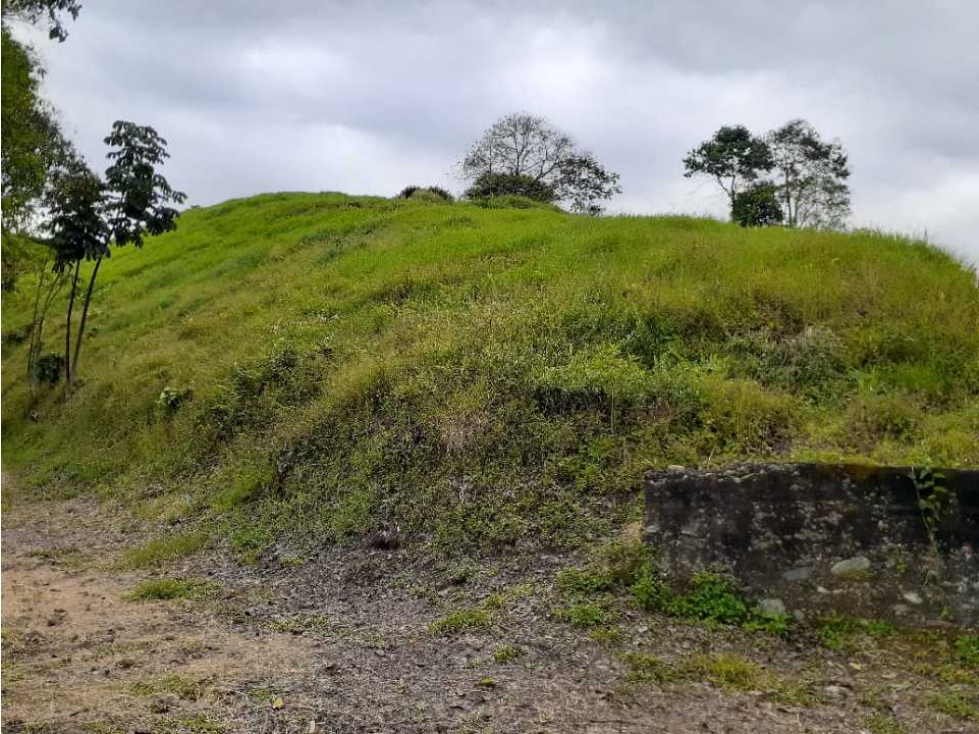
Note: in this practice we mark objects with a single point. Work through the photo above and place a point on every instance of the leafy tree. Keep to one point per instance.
(528, 145)
(32, 11)
(733, 157)
(31, 142)
(811, 176)
(88, 214)
(757, 206)
(508, 184)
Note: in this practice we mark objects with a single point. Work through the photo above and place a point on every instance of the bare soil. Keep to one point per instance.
(340, 641)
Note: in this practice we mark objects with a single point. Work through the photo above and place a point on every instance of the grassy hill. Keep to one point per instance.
(483, 375)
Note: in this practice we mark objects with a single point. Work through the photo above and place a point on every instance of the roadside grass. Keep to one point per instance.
(480, 376)
(159, 551)
(170, 589)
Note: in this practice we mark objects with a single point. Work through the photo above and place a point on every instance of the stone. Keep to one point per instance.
(912, 597)
(798, 574)
(675, 468)
(837, 691)
(855, 565)
(771, 608)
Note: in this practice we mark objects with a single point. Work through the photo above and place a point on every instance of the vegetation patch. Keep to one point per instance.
(645, 668)
(841, 632)
(507, 654)
(957, 705)
(881, 722)
(168, 548)
(305, 622)
(586, 615)
(967, 650)
(168, 589)
(479, 376)
(177, 685)
(730, 672)
(461, 620)
(709, 598)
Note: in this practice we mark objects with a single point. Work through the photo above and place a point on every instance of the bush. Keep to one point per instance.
(503, 184)
(757, 207)
(48, 368)
(425, 193)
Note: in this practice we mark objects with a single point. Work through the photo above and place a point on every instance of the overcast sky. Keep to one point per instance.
(366, 97)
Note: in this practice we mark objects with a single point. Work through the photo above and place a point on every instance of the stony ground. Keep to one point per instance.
(374, 640)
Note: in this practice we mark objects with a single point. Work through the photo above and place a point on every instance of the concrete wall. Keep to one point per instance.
(820, 537)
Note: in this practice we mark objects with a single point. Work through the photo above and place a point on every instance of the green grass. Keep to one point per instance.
(507, 654)
(957, 705)
(168, 589)
(167, 548)
(460, 620)
(177, 685)
(881, 722)
(477, 376)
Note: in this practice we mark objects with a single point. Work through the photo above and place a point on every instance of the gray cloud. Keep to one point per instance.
(367, 97)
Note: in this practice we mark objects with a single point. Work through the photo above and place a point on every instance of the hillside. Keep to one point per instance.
(481, 376)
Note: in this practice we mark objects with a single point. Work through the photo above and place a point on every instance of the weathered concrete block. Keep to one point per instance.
(822, 537)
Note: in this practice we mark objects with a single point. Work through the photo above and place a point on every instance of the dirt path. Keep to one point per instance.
(342, 642)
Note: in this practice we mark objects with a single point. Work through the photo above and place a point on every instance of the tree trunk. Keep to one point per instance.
(71, 306)
(33, 346)
(81, 326)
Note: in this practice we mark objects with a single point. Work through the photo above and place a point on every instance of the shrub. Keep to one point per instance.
(504, 184)
(873, 417)
(757, 207)
(967, 650)
(585, 615)
(48, 368)
(425, 193)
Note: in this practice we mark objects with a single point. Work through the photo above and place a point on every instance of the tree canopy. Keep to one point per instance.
(809, 175)
(733, 157)
(524, 145)
(32, 145)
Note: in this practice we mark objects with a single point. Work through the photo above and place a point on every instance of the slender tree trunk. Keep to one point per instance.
(71, 306)
(35, 336)
(81, 326)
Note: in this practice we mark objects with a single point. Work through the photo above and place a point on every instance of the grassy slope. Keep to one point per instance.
(487, 374)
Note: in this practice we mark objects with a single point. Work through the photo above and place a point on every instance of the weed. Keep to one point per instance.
(967, 650)
(197, 724)
(586, 615)
(584, 581)
(167, 589)
(880, 722)
(162, 550)
(507, 654)
(607, 635)
(729, 671)
(957, 705)
(459, 621)
(304, 622)
(177, 685)
(645, 668)
(840, 632)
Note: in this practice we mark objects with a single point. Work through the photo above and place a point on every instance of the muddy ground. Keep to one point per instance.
(343, 641)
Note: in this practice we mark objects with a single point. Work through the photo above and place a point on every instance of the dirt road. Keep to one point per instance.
(371, 640)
